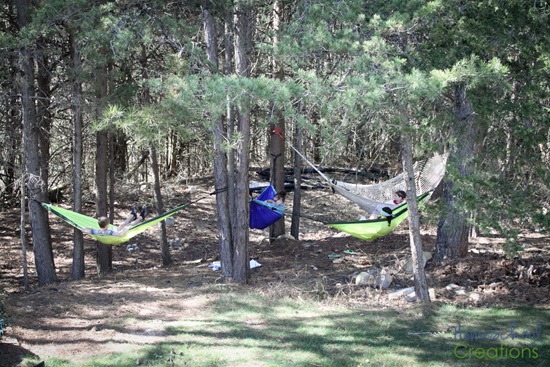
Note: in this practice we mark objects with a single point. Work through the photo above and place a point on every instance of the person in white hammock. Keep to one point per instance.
(399, 199)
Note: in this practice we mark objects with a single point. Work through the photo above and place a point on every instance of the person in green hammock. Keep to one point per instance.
(399, 199)
(120, 230)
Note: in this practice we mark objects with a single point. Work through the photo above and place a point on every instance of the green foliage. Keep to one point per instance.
(356, 74)
(500, 57)
(511, 246)
(7, 41)
(148, 124)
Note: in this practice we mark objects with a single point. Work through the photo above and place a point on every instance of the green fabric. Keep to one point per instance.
(80, 221)
(376, 228)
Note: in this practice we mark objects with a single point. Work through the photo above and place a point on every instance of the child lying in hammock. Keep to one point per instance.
(131, 221)
(278, 199)
(399, 199)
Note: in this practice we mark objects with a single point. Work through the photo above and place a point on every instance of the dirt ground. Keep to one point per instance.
(74, 319)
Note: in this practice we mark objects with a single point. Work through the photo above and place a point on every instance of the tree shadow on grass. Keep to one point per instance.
(12, 355)
(371, 337)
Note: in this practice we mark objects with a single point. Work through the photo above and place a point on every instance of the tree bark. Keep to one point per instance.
(104, 252)
(22, 221)
(165, 249)
(420, 285)
(78, 267)
(229, 41)
(277, 151)
(241, 266)
(44, 117)
(36, 188)
(453, 228)
(43, 101)
(297, 197)
(221, 176)
(277, 136)
(11, 116)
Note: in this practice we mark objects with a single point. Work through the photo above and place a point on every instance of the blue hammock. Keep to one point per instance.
(263, 214)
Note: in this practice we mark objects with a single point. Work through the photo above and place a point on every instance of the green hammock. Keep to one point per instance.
(80, 221)
(374, 228)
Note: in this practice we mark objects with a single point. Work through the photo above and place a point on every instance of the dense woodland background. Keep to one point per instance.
(94, 93)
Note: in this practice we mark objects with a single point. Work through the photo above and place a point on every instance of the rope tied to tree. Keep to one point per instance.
(278, 131)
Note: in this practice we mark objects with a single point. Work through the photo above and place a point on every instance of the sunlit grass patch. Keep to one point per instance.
(244, 329)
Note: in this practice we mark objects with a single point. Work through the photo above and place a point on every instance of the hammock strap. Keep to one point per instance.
(217, 191)
(278, 131)
(313, 166)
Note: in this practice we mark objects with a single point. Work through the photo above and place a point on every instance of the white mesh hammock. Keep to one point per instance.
(427, 175)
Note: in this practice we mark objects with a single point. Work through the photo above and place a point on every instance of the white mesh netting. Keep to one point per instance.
(428, 174)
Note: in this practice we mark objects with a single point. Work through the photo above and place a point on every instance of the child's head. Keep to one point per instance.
(402, 194)
(281, 195)
(103, 222)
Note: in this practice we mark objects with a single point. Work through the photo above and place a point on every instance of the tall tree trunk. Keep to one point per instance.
(119, 152)
(104, 252)
(277, 137)
(229, 42)
(43, 101)
(164, 248)
(420, 285)
(11, 118)
(241, 266)
(12, 134)
(297, 197)
(78, 238)
(221, 177)
(37, 189)
(43, 114)
(452, 229)
(22, 221)
(277, 152)
(111, 134)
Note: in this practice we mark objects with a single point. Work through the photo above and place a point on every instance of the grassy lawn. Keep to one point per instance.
(243, 329)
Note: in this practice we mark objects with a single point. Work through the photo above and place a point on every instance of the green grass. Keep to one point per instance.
(243, 329)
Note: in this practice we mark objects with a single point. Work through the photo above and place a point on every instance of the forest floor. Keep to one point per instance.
(67, 319)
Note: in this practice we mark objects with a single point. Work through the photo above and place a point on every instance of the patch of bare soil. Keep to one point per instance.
(79, 319)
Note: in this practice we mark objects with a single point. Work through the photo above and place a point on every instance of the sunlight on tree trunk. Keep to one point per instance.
(221, 174)
(420, 284)
(453, 228)
(241, 266)
(164, 248)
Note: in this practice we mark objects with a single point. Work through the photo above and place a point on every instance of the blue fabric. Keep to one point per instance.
(108, 232)
(263, 214)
